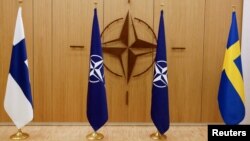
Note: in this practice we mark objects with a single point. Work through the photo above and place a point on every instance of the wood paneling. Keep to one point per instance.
(140, 87)
(116, 87)
(59, 60)
(129, 100)
(8, 21)
(59, 73)
(43, 60)
(71, 26)
(217, 25)
(77, 61)
(184, 22)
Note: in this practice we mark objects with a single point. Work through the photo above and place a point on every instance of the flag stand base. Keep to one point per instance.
(158, 136)
(19, 135)
(95, 136)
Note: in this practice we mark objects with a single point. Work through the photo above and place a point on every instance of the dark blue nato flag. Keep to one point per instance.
(160, 106)
(97, 111)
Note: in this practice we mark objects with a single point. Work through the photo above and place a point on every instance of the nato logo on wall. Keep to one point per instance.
(128, 41)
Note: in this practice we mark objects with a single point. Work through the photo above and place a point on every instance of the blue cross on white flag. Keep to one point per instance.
(18, 99)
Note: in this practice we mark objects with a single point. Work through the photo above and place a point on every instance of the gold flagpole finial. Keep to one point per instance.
(162, 4)
(20, 1)
(95, 2)
(234, 7)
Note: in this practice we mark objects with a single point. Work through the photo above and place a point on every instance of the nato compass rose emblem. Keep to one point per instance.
(96, 69)
(125, 42)
(160, 76)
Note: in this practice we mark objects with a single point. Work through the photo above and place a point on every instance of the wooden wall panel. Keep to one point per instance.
(1, 45)
(140, 87)
(128, 100)
(1, 59)
(60, 96)
(78, 58)
(217, 25)
(184, 22)
(8, 20)
(70, 65)
(116, 87)
(59, 73)
(43, 60)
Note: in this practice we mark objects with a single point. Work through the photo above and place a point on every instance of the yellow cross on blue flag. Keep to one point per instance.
(231, 96)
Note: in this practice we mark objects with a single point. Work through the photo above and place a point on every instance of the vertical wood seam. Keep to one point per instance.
(33, 53)
(203, 61)
(52, 46)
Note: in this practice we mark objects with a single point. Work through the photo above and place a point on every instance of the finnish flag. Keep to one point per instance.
(18, 99)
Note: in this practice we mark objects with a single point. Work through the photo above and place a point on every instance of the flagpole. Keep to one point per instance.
(20, 2)
(234, 7)
(95, 4)
(95, 135)
(157, 135)
(19, 135)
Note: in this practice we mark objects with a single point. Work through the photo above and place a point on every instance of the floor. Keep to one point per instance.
(111, 133)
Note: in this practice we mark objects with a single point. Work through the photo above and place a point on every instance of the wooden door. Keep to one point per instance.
(43, 60)
(184, 21)
(71, 44)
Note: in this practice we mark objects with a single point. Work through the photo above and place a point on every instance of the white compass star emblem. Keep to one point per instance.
(96, 69)
(160, 76)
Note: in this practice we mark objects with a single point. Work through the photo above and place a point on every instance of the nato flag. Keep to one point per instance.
(159, 106)
(97, 111)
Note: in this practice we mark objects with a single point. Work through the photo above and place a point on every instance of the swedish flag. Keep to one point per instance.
(231, 92)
